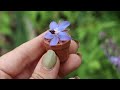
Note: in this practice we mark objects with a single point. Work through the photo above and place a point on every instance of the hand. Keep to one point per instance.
(31, 61)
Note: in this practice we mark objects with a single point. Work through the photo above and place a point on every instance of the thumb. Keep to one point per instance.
(47, 67)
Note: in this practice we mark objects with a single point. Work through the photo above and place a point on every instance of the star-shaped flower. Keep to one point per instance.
(57, 32)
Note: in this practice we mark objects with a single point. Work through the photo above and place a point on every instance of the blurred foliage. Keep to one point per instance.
(21, 26)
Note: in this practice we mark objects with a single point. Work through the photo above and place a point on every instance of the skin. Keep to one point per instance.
(24, 62)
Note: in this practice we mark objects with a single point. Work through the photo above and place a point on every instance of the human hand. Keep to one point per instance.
(31, 61)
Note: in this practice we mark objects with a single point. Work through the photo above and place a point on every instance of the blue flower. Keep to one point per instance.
(112, 51)
(115, 61)
(57, 32)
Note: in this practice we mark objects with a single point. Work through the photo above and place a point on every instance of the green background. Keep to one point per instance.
(21, 26)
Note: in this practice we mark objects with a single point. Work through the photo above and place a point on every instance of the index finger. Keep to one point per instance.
(16, 60)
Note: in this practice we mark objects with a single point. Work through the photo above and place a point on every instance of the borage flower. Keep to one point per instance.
(115, 60)
(57, 32)
(112, 51)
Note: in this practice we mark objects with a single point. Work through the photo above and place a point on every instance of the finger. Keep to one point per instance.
(22, 56)
(47, 67)
(27, 72)
(70, 65)
(73, 47)
(4, 75)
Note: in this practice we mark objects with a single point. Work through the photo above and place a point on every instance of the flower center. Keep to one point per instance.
(55, 31)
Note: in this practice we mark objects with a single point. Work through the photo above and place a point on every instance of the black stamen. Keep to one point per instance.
(52, 31)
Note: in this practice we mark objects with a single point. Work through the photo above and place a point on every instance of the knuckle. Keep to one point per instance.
(36, 76)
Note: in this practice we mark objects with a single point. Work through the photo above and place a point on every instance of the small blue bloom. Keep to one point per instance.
(115, 61)
(57, 32)
(112, 51)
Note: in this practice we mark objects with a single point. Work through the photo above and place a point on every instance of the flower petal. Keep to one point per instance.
(64, 36)
(54, 41)
(63, 25)
(53, 25)
(114, 59)
(48, 35)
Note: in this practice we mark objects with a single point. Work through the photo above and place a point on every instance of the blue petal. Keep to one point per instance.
(48, 35)
(64, 36)
(54, 41)
(53, 25)
(114, 59)
(63, 25)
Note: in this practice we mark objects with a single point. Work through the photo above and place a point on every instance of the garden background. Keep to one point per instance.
(88, 27)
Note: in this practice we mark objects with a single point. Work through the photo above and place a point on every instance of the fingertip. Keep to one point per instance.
(75, 60)
(44, 69)
(78, 60)
(70, 65)
(73, 47)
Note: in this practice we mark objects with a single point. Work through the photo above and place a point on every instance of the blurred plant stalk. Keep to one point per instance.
(23, 28)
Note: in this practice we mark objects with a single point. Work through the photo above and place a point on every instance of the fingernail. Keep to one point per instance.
(78, 43)
(49, 59)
